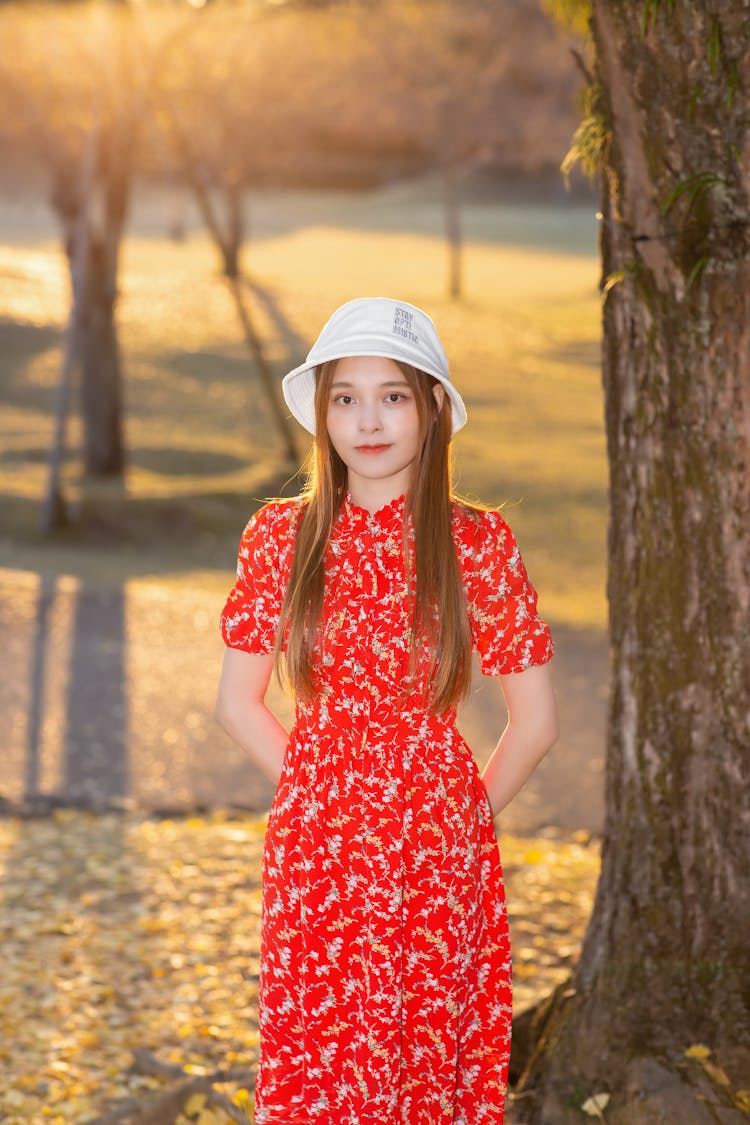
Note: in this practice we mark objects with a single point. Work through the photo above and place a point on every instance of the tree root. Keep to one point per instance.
(565, 1055)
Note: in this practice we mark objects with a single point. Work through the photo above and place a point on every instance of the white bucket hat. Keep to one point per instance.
(372, 326)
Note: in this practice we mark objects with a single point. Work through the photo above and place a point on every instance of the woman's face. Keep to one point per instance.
(373, 422)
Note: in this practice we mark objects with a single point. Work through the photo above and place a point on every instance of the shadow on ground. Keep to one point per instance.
(110, 696)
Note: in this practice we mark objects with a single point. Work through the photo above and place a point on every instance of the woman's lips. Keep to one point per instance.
(371, 448)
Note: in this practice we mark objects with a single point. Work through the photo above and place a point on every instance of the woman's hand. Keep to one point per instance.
(240, 709)
(532, 729)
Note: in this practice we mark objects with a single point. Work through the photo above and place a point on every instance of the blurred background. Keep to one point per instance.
(187, 191)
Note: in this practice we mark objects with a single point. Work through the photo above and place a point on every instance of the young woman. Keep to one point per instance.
(385, 979)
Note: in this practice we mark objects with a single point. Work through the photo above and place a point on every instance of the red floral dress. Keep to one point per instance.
(385, 977)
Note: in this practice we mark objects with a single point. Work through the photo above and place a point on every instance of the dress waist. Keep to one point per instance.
(372, 714)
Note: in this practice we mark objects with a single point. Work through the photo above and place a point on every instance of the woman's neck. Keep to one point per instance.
(372, 495)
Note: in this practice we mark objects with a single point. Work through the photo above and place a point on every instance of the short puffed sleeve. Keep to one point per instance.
(252, 609)
(508, 633)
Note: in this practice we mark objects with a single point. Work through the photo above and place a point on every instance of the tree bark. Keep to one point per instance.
(666, 959)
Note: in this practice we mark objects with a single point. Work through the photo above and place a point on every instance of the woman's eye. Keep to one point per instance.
(343, 399)
(396, 396)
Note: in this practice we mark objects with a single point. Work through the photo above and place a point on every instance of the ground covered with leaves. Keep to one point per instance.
(130, 955)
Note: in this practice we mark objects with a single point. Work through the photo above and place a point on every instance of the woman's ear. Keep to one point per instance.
(439, 392)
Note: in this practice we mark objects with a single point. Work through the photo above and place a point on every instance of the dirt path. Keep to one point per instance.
(108, 698)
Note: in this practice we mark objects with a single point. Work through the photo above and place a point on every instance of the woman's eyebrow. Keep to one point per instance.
(388, 383)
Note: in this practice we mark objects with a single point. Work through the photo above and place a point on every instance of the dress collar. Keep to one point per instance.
(390, 516)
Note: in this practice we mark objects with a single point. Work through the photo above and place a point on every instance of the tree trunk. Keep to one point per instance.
(235, 227)
(101, 377)
(101, 398)
(666, 959)
(54, 514)
(97, 346)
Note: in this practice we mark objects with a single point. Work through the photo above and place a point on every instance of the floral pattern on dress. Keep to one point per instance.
(385, 974)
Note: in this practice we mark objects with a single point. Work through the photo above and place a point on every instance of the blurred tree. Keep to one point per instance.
(67, 76)
(54, 509)
(481, 84)
(102, 207)
(77, 88)
(666, 960)
(250, 93)
(220, 98)
(457, 85)
(358, 92)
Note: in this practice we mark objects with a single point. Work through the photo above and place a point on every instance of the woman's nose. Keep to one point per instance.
(369, 418)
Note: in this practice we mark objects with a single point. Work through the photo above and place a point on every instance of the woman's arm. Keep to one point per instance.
(240, 709)
(531, 730)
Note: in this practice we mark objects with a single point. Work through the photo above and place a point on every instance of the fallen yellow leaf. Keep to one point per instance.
(717, 1073)
(742, 1100)
(212, 1117)
(697, 1051)
(195, 1104)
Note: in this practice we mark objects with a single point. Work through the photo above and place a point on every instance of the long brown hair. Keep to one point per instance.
(439, 613)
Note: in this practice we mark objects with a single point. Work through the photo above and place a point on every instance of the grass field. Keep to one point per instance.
(202, 451)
